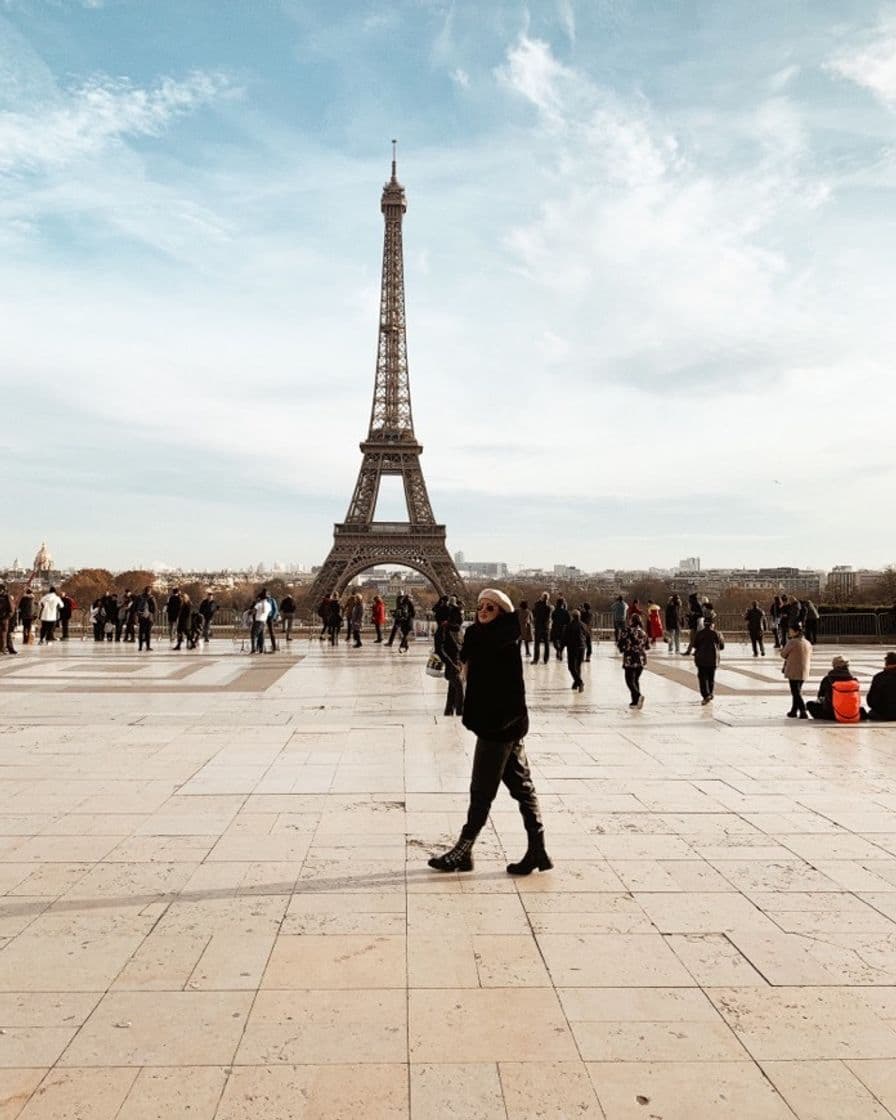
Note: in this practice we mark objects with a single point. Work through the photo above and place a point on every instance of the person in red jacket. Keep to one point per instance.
(378, 617)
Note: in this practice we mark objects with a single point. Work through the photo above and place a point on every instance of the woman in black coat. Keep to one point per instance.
(495, 711)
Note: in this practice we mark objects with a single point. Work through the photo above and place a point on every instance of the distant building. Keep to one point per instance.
(689, 564)
(483, 569)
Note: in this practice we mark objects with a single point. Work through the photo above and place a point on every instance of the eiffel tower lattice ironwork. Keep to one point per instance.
(391, 448)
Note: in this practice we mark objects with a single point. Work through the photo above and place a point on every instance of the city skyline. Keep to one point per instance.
(647, 274)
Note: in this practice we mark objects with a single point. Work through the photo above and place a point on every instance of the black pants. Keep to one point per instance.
(812, 630)
(633, 679)
(796, 691)
(405, 630)
(356, 634)
(587, 645)
(706, 678)
(454, 701)
(145, 627)
(270, 626)
(26, 631)
(494, 763)
(618, 627)
(756, 639)
(65, 628)
(541, 640)
(46, 631)
(393, 633)
(378, 627)
(574, 661)
(129, 628)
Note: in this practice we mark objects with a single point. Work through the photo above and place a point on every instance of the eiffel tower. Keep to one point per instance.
(391, 448)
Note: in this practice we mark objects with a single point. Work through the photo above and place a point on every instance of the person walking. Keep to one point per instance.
(439, 617)
(334, 619)
(357, 618)
(451, 643)
(541, 621)
(575, 641)
(633, 645)
(495, 711)
(673, 623)
(69, 606)
(812, 616)
(754, 617)
(405, 622)
(208, 608)
(129, 611)
(694, 620)
(172, 610)
(619, 611)
(273, 615)
(261, 609)
(396, 617)
(49, 609)
(654, 622)
(184, 621)
(145, 609)
(586, 617)
(797, 654)
(882, 693)
(288, 614)
(559, 622)
(7, 619)
(26, 614)
(774, 614)
(525, 615)
(707, 646)
(323, 613)
(378, 618)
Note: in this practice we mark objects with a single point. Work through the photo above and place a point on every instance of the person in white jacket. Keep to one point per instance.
(49, 609)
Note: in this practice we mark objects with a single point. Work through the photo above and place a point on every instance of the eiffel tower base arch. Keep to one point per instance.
(357, 548)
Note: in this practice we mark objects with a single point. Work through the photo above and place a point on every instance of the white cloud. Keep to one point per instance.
(101, 112)
(461, 78)
(567, 18)
(872, 65)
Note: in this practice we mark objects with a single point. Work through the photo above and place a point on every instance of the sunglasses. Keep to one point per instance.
(489, 608)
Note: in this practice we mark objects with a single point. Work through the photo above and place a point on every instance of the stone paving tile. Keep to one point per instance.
(215, 903)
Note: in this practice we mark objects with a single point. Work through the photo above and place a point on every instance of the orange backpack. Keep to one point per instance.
(846, 702)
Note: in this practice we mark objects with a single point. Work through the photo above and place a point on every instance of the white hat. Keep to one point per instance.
(493, 595)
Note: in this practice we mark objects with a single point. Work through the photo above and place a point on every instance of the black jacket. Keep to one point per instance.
(882, 695)
(575, 638)
(826, 689)
(755, 620)
(672, 616)
(495, 700)
(707, 644)
(541, 616)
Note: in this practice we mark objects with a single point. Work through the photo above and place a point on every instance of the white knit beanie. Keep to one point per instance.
(493, 595)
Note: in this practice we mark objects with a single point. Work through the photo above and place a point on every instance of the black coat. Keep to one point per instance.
(495, 700)
(575, 639)
(882, 695)
(541, 616)
(707, 644)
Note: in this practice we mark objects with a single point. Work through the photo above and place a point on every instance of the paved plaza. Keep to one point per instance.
(216, 900)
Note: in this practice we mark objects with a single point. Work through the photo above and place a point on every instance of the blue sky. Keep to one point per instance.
(648, 253)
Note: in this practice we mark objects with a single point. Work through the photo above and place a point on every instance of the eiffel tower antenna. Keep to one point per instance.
(391, 448)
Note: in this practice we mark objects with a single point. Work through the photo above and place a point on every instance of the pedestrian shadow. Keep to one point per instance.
(356, 884)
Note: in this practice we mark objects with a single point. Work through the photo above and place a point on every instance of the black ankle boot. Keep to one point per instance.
(460, 858)
(535, 856)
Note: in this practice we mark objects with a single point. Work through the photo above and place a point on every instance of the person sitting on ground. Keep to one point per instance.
(882, 693)
(838, 695)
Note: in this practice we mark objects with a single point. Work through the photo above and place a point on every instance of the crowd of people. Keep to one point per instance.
(544, 627)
